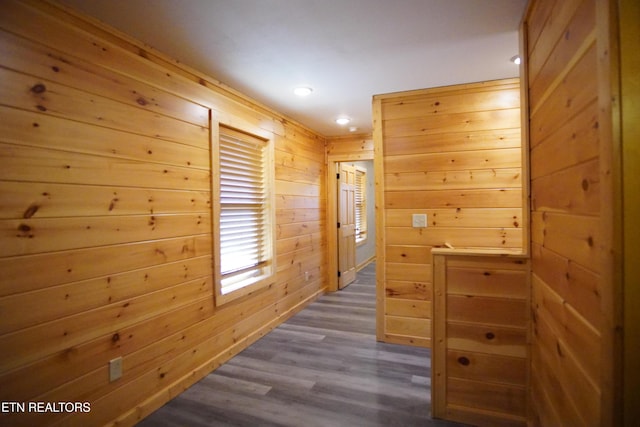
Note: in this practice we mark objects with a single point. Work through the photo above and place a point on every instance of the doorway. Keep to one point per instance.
(350, 219)
(346, 225)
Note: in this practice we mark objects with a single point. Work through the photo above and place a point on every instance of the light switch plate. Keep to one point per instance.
(115, 369)
(419, 220)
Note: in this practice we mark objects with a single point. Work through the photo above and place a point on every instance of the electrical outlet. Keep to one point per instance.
(419, 220)
(115, 369)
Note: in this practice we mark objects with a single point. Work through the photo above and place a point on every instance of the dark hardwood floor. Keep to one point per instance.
(323, 367)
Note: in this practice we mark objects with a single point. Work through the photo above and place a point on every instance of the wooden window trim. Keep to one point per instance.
(266, 266)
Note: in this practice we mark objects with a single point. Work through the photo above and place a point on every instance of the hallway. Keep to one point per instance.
(323, 367)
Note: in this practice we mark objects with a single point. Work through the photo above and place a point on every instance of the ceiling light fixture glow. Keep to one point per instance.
(516, 59)
(343, 120)
(303, 91)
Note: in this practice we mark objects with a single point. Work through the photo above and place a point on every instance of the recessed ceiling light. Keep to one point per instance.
(303, 91)
(343, 120)
(516, 59)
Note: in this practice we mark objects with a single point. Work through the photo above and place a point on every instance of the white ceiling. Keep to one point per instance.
(346, 50)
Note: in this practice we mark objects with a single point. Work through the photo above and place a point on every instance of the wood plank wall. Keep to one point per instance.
(454, 154)
(105, 193)
(573, 210)
(630, 132)
(350, 147)
(480, 357)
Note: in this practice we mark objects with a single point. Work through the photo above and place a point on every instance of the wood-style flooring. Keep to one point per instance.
(323, 367)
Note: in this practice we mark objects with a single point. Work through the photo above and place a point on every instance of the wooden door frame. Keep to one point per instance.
(630, 132)
(332, 212)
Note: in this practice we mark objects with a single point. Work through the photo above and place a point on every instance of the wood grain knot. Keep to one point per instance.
(585, 184)
(115, 337)
(24, 228)
(463, 361)
(490, 335)
(31, 210)
(39, 88)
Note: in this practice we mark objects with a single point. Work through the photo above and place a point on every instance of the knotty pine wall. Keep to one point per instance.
(480, 358)
(452, 153)
(351, 147)
(629, 12)
(570, 71)
(105, 195)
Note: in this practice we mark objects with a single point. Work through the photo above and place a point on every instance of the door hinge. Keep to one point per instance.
(338, 225)
(337, 176)
(339, 274)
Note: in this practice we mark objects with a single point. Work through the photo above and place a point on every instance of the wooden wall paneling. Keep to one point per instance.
(100, 45)
(37, 130)
(452, 100)
(159, 351)
(408, 254)
(498, 340)
(467, 198)
(461, 161)
(545, 30)
(23, 273)
(453, 153)
(457, 237)
(39, 200)
(105, 211)
(406, 326)
(169, 371)
(61, 67)
(546, 70)
(630, 129)
(480, 356)
(579, 137)
(408, 308)
(470, 121)
(299, 164)
(459, 217)
(409, 290)
(453, 180)
(66, 332)
(352, 147)
(47, 235)
(25, 92)
(572, 87)
(35, 164)
(439, 330)
(453, 141)
(381, 246)
(44, 305)
(576, 284)
(612, 226)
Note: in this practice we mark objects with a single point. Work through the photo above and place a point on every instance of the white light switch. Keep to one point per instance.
(419, 220)
(115, 368)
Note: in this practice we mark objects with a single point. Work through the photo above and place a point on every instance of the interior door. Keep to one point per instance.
(346, 224)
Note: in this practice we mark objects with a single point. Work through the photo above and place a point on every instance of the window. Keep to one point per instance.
(243, 214)
(361, 204)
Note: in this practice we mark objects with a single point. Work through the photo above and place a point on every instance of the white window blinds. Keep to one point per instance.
(244, 240)
(361, 204)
